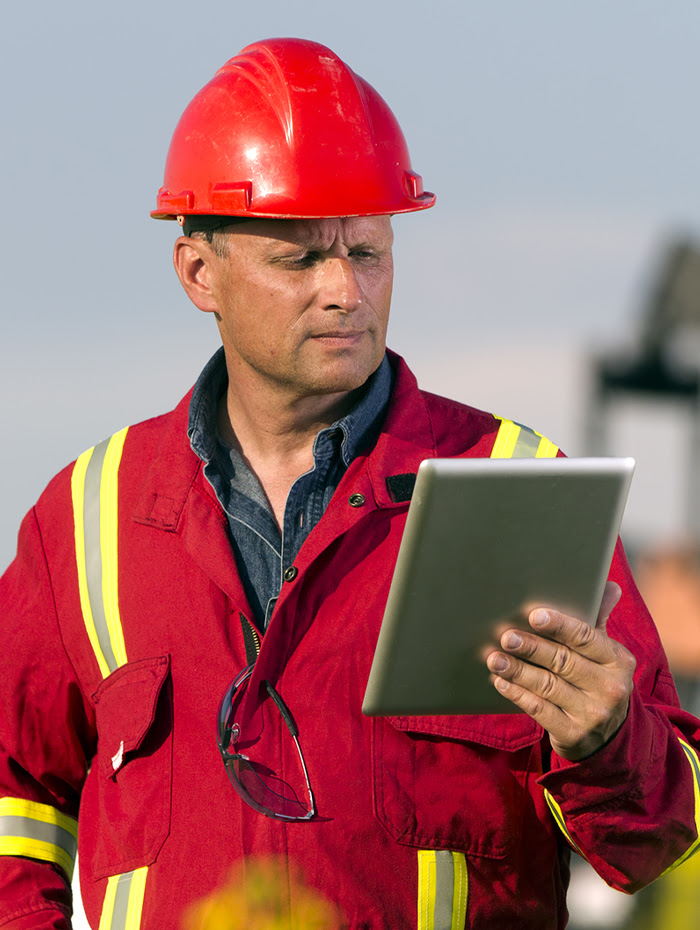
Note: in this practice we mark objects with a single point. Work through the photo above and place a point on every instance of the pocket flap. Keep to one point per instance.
(125, 704)
(508, 732)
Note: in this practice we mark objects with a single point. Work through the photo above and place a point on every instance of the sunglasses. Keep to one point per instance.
(247, 751)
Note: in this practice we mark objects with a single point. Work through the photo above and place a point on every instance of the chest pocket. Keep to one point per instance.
(128, 789)
(457, 783)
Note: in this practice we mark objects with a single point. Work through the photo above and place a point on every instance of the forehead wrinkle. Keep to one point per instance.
(320, 235)
(351, 232)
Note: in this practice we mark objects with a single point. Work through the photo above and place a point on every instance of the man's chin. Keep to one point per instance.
(343, 381)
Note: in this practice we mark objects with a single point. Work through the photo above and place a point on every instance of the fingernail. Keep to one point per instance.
(500, 664)
(514, 641)
(539, 618)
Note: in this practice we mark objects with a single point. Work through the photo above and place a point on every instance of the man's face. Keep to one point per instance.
(303, 305)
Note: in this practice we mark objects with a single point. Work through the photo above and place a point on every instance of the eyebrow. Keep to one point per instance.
(314, 244)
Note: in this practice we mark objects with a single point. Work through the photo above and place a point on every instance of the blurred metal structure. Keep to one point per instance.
(663, 368)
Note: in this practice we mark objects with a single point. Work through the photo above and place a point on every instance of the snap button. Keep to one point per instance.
(356, 500)
(291, 573)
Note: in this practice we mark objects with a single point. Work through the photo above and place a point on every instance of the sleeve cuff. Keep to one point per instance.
(619, 768)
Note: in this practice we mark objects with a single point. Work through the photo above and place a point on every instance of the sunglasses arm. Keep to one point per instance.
(283, 709)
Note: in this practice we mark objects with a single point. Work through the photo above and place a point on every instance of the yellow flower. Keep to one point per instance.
(256, 897)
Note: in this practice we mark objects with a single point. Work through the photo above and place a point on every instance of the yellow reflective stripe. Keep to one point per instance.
(123, 903)
(108, 542)
(426, 889)
(94, 489)
(443, 889)
(559, 818)
(506, 438)
(692, 757)
(38, 831)
(516, 441)
(461, 891)
(108, 904)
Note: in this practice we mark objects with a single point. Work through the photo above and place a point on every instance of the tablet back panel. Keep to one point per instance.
(484, 539)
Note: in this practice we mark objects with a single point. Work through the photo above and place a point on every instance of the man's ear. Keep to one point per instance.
(193, 260)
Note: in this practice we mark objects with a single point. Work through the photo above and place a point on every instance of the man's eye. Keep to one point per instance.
(301, 261)
(363, 254)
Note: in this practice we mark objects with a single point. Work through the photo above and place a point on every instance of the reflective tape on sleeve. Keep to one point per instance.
(123, 903)
(694, 846)
(94, 487)
(560, 822)
(38, 831)
(443, 887)
(514, 441)
(694, 763)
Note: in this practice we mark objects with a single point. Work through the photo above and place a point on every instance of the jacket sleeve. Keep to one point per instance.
(633, 808)
(45, 727)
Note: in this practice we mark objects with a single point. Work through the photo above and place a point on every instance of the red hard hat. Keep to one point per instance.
(286, 129)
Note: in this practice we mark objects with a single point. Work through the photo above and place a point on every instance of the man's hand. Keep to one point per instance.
(571, 677)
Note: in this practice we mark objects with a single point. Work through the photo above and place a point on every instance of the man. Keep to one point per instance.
(220, 572)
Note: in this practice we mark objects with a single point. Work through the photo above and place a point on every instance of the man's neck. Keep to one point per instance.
(276, 439)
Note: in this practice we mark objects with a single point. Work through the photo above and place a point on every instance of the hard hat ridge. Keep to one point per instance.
(287, 129)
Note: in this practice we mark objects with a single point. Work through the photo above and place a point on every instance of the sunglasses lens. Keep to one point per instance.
(263, 789)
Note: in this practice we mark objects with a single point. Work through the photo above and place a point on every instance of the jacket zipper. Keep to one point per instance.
(251, 638)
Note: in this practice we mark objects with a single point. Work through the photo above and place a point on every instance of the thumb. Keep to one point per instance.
(611, 595)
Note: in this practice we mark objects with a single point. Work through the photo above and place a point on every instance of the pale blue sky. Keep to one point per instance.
(561, 139)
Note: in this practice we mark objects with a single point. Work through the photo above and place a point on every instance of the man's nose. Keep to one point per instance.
(340, 289)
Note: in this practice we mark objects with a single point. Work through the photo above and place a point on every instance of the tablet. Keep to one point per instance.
(484, 539)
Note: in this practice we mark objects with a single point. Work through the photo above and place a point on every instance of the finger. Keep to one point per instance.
(558, 674)
(555, 657)
(548, 714)
(577, 635)
(541, 684)
(611, 597)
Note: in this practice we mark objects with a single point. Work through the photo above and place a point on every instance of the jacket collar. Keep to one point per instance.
(405, 440)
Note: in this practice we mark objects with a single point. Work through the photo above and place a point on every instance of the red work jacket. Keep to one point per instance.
(418, 819)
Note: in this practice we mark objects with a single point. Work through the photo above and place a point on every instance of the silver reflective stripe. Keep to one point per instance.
(93, 551)
(28, 828)
(121, 901)
(527, 444)
(442, 889)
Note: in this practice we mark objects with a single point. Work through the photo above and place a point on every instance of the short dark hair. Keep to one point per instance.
(211, 228)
